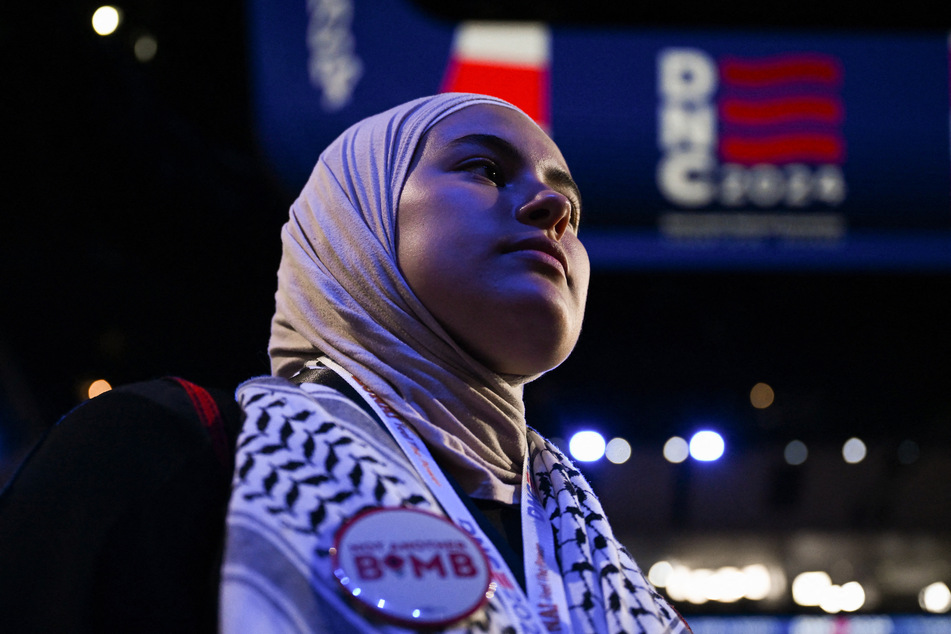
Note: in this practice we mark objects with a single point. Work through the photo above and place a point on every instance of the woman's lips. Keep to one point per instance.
(551, 250)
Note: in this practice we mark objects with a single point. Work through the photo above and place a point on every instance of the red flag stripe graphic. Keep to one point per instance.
(778, 111)
(783, 148)
(524, 86)
(784, 69)
(508, 60)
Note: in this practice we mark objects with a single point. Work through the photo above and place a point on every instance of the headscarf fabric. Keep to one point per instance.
(341, 293)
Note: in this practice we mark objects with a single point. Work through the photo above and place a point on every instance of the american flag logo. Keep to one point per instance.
(781, 110)
(737, 131)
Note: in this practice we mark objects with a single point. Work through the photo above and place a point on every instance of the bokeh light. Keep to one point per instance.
(706, 446)
(808, 588)
(935, 598)
(676, 450)
(796, 452)
(727, 584)
(145, 48)
(97, 387)
(659, 573)
(106, 20)
(759, 582)
(815, 589)
(587, 446)
(618, 451)
(908, 452)
(854, 451)
(762, 396)
(851, 596)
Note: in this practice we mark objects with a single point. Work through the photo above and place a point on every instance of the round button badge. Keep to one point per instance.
(411, 567)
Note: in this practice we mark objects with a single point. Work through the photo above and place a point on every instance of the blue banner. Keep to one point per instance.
(739, 150)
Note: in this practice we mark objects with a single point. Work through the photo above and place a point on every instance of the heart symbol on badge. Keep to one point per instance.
(394, 563)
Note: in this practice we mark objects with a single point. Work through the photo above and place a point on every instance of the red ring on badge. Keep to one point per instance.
(411, 567)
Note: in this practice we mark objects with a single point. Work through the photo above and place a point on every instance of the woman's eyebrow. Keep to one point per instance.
(554, 175)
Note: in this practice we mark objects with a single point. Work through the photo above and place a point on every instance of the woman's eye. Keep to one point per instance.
(488, 170)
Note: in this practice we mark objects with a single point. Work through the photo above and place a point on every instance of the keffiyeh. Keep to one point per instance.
(309, 459)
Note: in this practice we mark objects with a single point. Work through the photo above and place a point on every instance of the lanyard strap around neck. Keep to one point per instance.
(545, 609)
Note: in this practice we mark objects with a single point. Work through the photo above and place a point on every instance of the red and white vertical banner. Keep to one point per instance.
(508, 60)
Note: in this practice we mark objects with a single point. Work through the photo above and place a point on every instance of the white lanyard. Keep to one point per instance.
(546, 607)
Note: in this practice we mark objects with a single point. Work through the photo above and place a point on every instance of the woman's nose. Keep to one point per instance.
(548, 210)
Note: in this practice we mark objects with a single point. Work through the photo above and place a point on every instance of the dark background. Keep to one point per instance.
(140, 237)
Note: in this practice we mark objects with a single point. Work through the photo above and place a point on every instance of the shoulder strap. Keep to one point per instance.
(210, 416)
(326, 376)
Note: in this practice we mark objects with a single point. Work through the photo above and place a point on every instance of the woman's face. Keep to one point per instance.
(487, 239)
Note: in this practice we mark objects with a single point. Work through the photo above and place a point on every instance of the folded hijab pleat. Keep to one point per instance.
(341, 293)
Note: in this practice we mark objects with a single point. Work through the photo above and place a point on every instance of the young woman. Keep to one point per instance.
(385, 476)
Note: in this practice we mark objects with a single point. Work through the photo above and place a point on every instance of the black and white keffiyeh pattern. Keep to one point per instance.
(605, 588)
(309, 459)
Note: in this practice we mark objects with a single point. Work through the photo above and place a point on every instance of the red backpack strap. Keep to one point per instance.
(210, 416)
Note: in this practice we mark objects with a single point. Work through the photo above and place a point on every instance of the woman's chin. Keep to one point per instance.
(527, 357)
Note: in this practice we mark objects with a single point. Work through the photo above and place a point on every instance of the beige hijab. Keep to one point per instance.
(341, 293)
